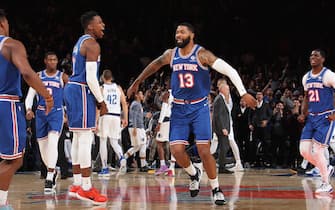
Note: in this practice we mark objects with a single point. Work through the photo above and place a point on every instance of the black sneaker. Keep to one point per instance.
(48, 187)
(218, 197)
(144, 169)
(195, 183)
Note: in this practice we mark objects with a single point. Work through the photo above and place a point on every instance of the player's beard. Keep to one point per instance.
(184, 43)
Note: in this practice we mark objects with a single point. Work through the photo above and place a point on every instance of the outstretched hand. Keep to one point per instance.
(250, 100)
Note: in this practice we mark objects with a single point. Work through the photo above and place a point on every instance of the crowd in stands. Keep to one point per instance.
(271, 64)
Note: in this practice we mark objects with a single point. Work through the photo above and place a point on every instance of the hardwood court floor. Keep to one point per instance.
(266, 189)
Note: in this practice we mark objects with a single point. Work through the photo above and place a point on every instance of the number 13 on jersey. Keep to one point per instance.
(186, 80)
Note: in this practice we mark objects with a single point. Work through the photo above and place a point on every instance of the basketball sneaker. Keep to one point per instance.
(162, 170)
(104, 172)
(73, 189)
(195, 183)
(314, 172)
(123, 166)
(49, 188)
(218, 197)
(171, 172)
(324, 188)
(92, 195)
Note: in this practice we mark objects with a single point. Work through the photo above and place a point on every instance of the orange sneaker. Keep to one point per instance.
(92, 195)
(73, 189)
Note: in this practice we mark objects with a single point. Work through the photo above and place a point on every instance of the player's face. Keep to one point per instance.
(316, 59)
(98, 27)
(183, 36)
(51, 62)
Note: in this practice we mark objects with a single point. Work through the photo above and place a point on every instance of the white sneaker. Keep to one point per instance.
(123, 167)
(218, 197)
(236, 168)
(313, 172)
(324, 188)
(195, 183)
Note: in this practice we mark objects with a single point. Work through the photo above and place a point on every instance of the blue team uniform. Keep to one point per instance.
(54, 120)
(190, 84)
(12, 123)
(320, 105)
(79, 100)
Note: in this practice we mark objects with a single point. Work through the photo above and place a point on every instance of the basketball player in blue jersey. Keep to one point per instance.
(13, 64)
(82, 95)
(48, 127)
(190, 84)
(318, 115)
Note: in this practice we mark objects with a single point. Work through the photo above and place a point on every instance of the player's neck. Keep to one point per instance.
(187, 49)
(51, 72)
(317, 69)
(108, 82)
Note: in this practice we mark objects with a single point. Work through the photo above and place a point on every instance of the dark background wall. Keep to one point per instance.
(138, 31)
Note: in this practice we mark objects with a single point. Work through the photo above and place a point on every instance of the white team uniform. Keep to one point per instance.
(110, 123)
(164, 120)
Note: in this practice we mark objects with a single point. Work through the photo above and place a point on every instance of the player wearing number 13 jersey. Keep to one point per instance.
(318, 109)
(190, 84)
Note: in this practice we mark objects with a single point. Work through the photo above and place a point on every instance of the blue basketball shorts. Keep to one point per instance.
(80, 107)
(12, 129)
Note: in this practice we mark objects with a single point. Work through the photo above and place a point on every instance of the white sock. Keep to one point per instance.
(50, 176)
(103, 151)
(77, 179)
(162, 162)
(304, 164)
(236, 151)
(143, 162)
(87, 184)
(3, 197)
(214, 183)
(190, 170)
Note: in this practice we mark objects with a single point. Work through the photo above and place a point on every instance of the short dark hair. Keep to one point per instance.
(2, 14)
(188, 25)
(49, 53)
(321, 51)
(87, 17)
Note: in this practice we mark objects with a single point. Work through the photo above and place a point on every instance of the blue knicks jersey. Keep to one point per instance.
(189, 79)
(79, 61)
(54, 84)
(10, 77)
(320, 97)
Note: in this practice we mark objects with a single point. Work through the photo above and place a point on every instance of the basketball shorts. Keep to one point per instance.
(80, 107)
(110, 126)
(190, 118)
(52, 122)
(140, 137)
(12, 130)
